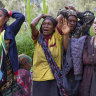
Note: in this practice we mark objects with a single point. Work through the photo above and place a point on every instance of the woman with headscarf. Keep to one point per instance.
(8, 51)
(25, 74)
(47, 55)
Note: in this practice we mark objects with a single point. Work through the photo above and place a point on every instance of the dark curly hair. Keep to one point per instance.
(67, 13)
(5, 12)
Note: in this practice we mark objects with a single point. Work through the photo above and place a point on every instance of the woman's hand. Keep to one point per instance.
(59, 19)
(62, 24)
(10, 13)
(65, 28)
(45, 15)
(72, 8)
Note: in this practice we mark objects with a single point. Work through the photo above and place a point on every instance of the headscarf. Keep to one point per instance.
(67, 13)
(63, 12)
(25, 61)
(71, 13)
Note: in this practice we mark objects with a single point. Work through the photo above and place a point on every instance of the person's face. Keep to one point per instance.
(47, 27)
(94, 26)
(72, 21)
(3, 19)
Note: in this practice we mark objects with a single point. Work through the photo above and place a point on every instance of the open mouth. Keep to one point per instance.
(45, 30)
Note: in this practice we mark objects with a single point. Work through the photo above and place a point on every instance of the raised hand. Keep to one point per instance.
(70, 7)
(60, 21)
(65, 28)
(45, 15)
(62, 24)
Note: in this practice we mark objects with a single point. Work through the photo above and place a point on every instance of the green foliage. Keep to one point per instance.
(45, 7)
(91, 31)
(27, 4)
(25, 44)
(80, 5)
(24, 41)
(11, 5)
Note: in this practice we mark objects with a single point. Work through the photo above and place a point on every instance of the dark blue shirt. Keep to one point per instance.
(10, 33)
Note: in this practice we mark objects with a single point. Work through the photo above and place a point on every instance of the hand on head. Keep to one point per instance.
(45, 15)
(70, 7)
(59, 19)
(62, 24)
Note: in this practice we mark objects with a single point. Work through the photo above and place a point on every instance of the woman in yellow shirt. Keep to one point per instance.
(48, 44)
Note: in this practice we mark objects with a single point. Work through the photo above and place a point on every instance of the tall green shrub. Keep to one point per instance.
(25, 44)
(45, 7)
(27, 4)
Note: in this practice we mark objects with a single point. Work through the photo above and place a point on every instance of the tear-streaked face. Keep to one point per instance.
(94, 26)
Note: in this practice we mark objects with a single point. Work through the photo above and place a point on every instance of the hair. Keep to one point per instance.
(63, 12)
(66, 13)
(71, 13)
(52, 20)
(5, 12)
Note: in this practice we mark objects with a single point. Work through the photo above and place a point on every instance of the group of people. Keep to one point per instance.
(64, 55)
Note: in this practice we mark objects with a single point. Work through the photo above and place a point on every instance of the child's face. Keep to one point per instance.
(94, 26)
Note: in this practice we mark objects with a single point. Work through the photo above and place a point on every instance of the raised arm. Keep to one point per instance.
(33, 26)
(16, 25)
(34, 23)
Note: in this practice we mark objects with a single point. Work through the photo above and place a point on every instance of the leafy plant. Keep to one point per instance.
(45, 7)
(27, 4)
(24, 42)
(91, 31)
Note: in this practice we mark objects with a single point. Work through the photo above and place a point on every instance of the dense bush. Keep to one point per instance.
(24, 42)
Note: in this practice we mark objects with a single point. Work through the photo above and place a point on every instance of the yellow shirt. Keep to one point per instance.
(41, 68)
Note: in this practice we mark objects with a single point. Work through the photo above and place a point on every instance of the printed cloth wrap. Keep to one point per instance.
(2, 47)
(24, 77)
(24, 81)
(55, 70)
(25, 62)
